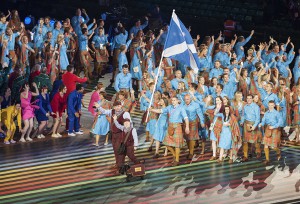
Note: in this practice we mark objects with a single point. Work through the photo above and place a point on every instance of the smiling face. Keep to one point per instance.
(174, 101)
(218, 101)
(249, 99)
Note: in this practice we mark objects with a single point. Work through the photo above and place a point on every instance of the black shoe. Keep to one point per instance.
(155, 156)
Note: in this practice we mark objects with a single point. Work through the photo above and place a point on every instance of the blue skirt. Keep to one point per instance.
(161, 128)
(151, 126)
(102, 126)
(225, 138)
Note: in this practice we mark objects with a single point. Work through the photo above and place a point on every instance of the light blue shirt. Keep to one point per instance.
(282, 66)
(135, 29)
(97, 40)
(223, 58)
(265, 97)
(296, 70)
(239, 50)
(12, 41)
(215, 73)
(123, 81)
(83, 43)
(176, 114)
(175, 82)
(251, 113)
(119, 40)
(193, 110)
(272, 118)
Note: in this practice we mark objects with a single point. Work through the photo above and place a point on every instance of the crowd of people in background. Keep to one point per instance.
(238, 98)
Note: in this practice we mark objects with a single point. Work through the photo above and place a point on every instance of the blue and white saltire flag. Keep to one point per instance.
(179, 44)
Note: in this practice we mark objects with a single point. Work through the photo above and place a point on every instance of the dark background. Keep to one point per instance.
(206, 17)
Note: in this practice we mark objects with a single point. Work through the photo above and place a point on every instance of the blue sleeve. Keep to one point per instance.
(200, 114)
(297, 62)
(48, 105)
(117, 83)
(290, 57)
(86, 19)
(113, 44)
(144, 25)
(128, 43)
(126, 34)
(246, 40)
(279, 120)
(257, 116)
(210, 47)
(90, 26)
(41, 105)
(263, 121)
(183, 113)
(130, 82)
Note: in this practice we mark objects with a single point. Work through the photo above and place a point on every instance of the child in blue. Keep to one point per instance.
(73, 109)
(44, 111)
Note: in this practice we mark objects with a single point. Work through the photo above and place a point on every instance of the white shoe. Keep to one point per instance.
(39, 137)
(22, 140)
(58, 134)
(71, 134)
(55, 136)
(29, 139)
(42, 136)
(7, 142)
(105, 143)
(79, 133)
(12, 141)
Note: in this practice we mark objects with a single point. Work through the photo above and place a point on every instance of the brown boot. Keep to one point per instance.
(266, 162)
(212, 158)
(149, 149)
(258, 155)
(189, 156)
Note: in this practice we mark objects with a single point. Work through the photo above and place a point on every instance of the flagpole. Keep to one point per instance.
(158, 72)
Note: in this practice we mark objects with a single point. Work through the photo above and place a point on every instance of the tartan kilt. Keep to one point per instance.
(194, 131)
(254, 136)
(101, 55)
(176, 140)
(274, 140)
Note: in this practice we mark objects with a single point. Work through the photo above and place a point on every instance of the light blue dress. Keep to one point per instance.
(63, 58)
(135, 62)
(102, 125)
(151, 126)
(225, 137)
(161, 127)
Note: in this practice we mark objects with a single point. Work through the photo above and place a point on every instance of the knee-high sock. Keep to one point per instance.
(277, 151)
(245, 150)
(171, 149)
(177, 154)
(203, 146)
(267, 153)
(192, 146)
